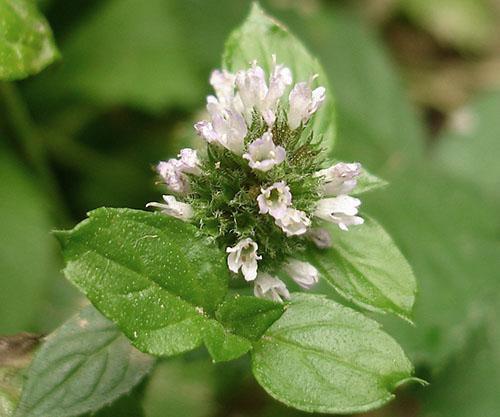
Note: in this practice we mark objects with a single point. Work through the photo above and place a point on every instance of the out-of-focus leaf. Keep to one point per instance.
(449, 231)
(81, 367)
(470, 147)
(368, 182)
(469, 385)
(129, 52)
(26, 43)
(469, 25)
(259, 38)
(323, 357)
(27, 261)
(179, 387)
(365, 266)
(150, 273)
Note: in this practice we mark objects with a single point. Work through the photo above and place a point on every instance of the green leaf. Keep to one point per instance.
(366, 267)
(27, 256)
(222, 345)
(259, 38)
(249, 316)
(454, 256)
(26, 43)
(324, 357)
(469, 385)
(128, 52)
(82, 366)
(368, 182)
(469, 147)
(178, 387)
(149, 273)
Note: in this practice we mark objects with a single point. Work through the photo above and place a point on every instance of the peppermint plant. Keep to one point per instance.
(256, 243)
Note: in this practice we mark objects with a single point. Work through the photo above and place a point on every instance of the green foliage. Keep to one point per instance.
(323, 357)
(25, 224)
(81, 367)
(26, 43)
(149, 273)
(259, 38)
(469, 147)
(249, 316)
(366, 267)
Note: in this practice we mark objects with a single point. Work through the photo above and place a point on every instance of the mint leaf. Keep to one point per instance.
(149, 273)
(249, 316)
(223, 345)
(365, 266)
(82, 366)
(26, 43)
(324, 357)
(259, 38)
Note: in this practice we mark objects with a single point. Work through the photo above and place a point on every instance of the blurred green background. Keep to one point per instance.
(417, 88)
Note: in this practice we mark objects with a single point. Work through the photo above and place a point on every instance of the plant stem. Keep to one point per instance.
(29, 138)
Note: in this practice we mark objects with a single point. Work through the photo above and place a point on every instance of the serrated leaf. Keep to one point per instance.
(84, 365)
(223, 345)
(249, 316)
(26, 42)
(366, 267)
(323, 357)
(259, 38)
(149, 273)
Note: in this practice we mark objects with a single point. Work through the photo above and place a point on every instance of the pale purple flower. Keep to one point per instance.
(294, 222)
(341, 210)
(303, 273)
(275, 199)
(271, 288)
(223, 83)
(244, 256)
(174, 208)
(189, 161)
(206, 130)
(172, 175)
(320, 237)
(263, 154)
(304, 102)
(340, 178)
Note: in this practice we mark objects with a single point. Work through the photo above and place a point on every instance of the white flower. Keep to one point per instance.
(275, 199)
(320, 237)
(340, 178)
(189, 162)
(272, 288)
(294, 222)
(263, 154)
(223, 84)
(341, 210)
(171, 173)
(244, 255)
(228, 126)
(255, 93)
(304, 102)
(303, 273)
(174, 208)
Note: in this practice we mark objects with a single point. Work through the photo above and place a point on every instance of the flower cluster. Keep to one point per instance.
(259, 188)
